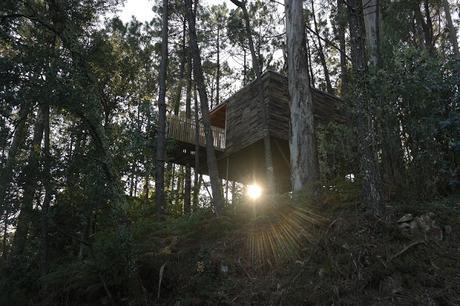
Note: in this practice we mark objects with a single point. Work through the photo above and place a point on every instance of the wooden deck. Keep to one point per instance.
(183, 130)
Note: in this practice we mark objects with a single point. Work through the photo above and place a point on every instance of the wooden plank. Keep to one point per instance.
(183, 130)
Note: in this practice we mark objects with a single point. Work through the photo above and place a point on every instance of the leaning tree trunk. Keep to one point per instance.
(216, 187)
(6, 173)
(30, 184)
(258, 71)
(181, 80)
(321, 54)
(304, 168)
(160, 197)
(309, 62)
(341, 25)
(372, 194)
(247, 28)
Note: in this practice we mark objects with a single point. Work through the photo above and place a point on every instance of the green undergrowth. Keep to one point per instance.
(273, 252)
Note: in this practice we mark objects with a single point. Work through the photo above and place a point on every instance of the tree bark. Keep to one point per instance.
(452, 32)
(181, 80)
(196, 178)
(218, 67)
(341, 26)
(304, 169)
(160, 198)
(364, 113)
(46, 179)
(147, 161)
(320, 50)
(426, 25)
(269, 164)
(245, 72)
(6, 173)
(30, 184)
(188, 115)
(371, 20)
(309, 62)
(216, 187)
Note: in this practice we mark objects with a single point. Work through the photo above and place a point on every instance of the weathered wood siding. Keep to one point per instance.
(262, 107)
(278, 106)
(325, 107)
(246, 122)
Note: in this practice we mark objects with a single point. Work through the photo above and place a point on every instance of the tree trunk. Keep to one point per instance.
(245, 72)
(426, 25)
(216, 187)
(147, 162)
(46, 179)
(309, 63)
(304, 169)
(452, 32)
(320, 49)
(372, 194)
(160, 198)
(6, 173)
(341, 25)
(180, 82)
(371, 20)
(247, 27)
(30, 183)
(218, 67)
(188, 115)
(196, 179)
(269, 170)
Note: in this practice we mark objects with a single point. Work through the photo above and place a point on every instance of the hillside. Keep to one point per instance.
(284, 255)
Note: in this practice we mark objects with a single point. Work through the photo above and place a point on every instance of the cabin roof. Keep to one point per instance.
(328, 106)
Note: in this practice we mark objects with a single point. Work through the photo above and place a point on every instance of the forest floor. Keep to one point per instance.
(269, 252)
(286, 255)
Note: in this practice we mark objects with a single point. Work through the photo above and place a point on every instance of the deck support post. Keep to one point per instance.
(269, 165)
(226, 179)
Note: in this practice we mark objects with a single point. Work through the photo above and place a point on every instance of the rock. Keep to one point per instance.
(200, 267)
(424, 223)
(428, 227)
(321, 272)
(223, 268)
(406, 218)
(413, 227)
(405, 227)
(424, 226)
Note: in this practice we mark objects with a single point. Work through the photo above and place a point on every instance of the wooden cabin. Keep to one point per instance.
(251, 132)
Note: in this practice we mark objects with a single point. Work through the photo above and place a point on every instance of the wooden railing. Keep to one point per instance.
(183, 129)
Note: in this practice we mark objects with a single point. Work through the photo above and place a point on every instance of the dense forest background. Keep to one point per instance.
(80, 217)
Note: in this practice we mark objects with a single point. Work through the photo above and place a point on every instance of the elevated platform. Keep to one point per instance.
(251, 132)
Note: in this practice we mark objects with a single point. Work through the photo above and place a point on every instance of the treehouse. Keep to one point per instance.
(251, 132)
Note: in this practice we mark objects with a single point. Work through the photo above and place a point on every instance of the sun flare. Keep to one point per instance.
(254, 191)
